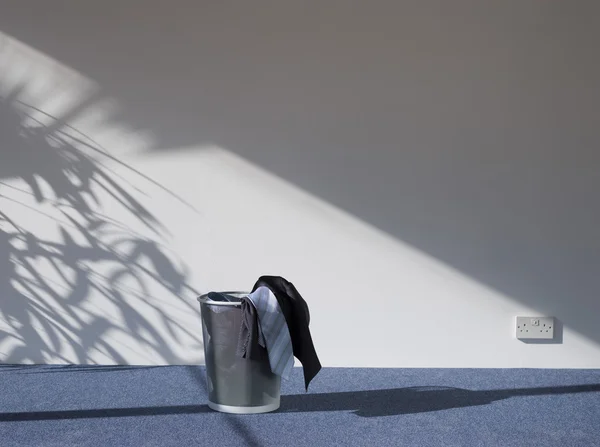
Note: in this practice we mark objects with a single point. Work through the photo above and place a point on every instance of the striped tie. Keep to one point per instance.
(274, 331)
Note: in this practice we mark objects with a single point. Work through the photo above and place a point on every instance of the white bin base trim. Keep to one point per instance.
(243, 410)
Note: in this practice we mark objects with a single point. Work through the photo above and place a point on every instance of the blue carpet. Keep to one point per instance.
(166, 406)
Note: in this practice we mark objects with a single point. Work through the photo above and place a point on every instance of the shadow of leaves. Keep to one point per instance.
(47, 312)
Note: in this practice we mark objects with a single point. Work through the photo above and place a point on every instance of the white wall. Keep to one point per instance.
(422, 171)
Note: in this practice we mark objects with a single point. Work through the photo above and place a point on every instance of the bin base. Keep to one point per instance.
(243, 410)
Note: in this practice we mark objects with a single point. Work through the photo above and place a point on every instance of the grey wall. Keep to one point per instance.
(468, 129)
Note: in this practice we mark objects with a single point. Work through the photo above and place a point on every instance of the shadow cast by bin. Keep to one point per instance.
(368, 404)
(398, 401)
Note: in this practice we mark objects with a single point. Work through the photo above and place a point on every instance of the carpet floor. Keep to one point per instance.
(166, 406)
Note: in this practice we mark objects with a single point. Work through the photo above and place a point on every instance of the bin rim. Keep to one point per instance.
(203, 299)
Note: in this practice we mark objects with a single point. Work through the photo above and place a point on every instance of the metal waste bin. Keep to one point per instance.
(235, 384)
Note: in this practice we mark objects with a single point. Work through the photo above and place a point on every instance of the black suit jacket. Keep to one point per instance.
(297, 317)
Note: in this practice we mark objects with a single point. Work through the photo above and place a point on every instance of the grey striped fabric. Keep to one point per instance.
(273, 329)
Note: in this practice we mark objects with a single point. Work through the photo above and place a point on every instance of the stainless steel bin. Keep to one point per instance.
(235, 384)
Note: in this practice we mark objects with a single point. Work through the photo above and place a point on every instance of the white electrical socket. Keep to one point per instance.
(538, 328)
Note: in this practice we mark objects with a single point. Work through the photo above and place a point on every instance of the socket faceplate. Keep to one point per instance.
(538, 328)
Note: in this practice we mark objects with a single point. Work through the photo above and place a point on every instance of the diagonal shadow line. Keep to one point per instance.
(103, 413)
(373, 403)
